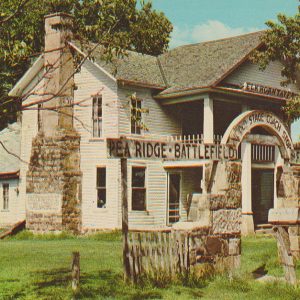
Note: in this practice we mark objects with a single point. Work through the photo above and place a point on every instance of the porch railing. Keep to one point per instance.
(193, 138)
(263, 153)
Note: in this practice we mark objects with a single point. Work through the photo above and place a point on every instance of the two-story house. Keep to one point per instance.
(189, 95)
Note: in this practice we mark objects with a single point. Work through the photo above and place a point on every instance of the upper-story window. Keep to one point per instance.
(136, 116)
(5, 187)
(97, 116)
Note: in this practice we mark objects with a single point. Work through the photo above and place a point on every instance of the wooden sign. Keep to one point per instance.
(160, 150)
(266, 90)
(256, 118)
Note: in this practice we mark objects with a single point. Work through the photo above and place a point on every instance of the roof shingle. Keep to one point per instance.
(185, 67)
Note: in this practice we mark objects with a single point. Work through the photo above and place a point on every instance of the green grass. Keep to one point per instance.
(38, 267)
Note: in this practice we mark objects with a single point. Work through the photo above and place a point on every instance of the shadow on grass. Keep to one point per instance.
(56, 277)
(108, 284)
(104, 284)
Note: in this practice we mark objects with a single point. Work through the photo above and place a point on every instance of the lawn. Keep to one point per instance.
(39, 268)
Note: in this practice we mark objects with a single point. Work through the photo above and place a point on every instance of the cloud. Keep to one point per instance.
(208, 31)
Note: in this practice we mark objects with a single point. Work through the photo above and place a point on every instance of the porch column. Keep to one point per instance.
(208, 120)
(278, 162)
(247, 214)
(245, 107)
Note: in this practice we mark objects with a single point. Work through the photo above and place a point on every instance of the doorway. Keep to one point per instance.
(262, 194)
(174, 180)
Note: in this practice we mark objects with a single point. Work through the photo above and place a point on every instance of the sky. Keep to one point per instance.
(202, 20)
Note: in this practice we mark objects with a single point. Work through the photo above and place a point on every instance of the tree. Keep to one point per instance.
(116, 24)
(282, 42)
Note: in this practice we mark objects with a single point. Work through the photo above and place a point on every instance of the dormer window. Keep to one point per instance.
(97, 116)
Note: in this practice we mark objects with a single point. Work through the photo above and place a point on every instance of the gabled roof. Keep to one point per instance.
(10, 138)
(25, 80)
(205, 64)
(133, 67)
(183, 68)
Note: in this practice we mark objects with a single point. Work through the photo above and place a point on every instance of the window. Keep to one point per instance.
(5, 187)
(97, 116)
(136, 116)
(101, 187)
(138, 188)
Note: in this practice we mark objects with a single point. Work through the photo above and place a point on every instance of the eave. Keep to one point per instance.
(123, 82)
(10, 175)
(192, 94)
(25, 80)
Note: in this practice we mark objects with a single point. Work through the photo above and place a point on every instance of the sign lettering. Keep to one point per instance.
(266, 90)
(261, 118)
(145, 149)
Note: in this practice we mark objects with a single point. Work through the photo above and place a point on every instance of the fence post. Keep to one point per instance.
(124, 196)
(75, 270)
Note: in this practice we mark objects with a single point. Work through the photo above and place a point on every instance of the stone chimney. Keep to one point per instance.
(53, 181)
(59, 66)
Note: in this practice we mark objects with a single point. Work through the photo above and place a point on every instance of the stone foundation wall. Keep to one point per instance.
(54, 184)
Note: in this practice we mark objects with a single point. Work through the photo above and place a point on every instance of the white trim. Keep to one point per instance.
(25, 80)
(183, 164)
(86, 56)
(263, 166)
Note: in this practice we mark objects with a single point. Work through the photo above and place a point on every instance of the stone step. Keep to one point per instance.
(264, 231)
(14, 229)
(263, 226)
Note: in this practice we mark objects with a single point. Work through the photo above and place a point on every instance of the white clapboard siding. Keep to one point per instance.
(159, 121)
(91, 81)
(156, 194)
(249, 72)
(29, 130)
(11, 215)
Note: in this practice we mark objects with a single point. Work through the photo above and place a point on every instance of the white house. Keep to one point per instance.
(188, 95)
(9, 175)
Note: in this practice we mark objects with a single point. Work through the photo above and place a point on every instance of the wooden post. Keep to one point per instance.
(286, 257)
(75, 271)
(124, 196)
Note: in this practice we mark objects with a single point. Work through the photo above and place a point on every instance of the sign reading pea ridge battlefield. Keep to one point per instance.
(145, 149)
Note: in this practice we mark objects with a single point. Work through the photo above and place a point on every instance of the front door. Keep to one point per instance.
(173, 198)
(262, 194)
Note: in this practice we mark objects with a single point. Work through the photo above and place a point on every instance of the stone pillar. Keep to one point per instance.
(208, 120)
(247, 214)
(53, 181)
(287, 212)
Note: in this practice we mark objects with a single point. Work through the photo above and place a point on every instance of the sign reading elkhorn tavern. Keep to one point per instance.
(147, 149)
(266, 90)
